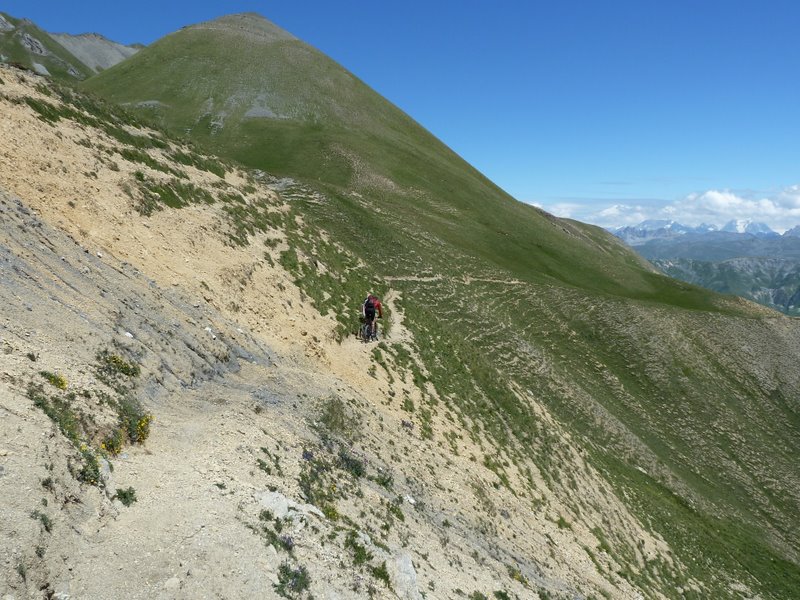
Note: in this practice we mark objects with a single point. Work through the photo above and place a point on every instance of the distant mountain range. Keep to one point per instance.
(742, 257)
(58, 55)
(652, 229)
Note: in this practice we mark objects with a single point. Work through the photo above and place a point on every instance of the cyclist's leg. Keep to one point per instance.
(370, 317)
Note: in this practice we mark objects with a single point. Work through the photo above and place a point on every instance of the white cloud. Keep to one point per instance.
(566, 210)
(622, 214)
(780, 210)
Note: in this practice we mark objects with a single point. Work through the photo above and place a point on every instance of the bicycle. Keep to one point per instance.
(366, 332)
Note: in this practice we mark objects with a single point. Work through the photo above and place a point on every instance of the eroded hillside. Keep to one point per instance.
(281, 452)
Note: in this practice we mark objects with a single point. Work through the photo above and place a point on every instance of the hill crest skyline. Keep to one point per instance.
(530, 158)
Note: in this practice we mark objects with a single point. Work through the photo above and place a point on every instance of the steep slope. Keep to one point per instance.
(272, 102)
(22, 42)
(93, 50)
(547, 359)
(274, 461)
(141, 278)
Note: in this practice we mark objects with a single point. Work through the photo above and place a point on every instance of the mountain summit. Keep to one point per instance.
(747, 226)
(256, 27)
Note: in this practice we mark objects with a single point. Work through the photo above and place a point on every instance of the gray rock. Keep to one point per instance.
(34, 45)
(106, 477)
(282, 507)
(403, 577)
(5, 25)
(267, 396)
(172, 584)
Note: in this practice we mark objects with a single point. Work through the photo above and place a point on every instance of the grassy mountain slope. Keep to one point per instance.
(272, 102)
(24, 43)
(685, 400)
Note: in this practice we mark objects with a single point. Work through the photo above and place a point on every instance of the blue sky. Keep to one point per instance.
(609, 112)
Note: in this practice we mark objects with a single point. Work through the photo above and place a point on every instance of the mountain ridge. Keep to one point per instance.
(648, 230)
(60, 55)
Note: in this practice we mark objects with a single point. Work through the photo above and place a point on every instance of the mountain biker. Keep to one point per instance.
(368, 309)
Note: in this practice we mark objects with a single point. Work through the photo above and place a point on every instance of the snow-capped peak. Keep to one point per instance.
(746, 226)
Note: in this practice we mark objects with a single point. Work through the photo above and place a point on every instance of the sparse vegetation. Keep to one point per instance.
(127, 496)
(293, 582)
(55, 379)
(79, 426)
(46, 522)
(381, 573)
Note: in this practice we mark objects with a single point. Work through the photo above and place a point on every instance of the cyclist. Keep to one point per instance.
(368, 309)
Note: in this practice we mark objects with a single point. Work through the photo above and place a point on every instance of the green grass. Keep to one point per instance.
(56, 61)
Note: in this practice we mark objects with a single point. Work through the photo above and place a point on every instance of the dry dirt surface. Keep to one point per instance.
(274, 452)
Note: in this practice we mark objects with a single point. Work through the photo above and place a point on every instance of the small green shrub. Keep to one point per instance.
(58, 410)
(360, 553)
(55, 379)
(126, 496)
(46, 522)
(517, 575)
(112, 365)
(113, 442)
(292, 582)
(90, 471)
(199, 162)
(384, 479)
(381, 573)
(134, 420)
(351, 464)
(334, 418)
(330, 511)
